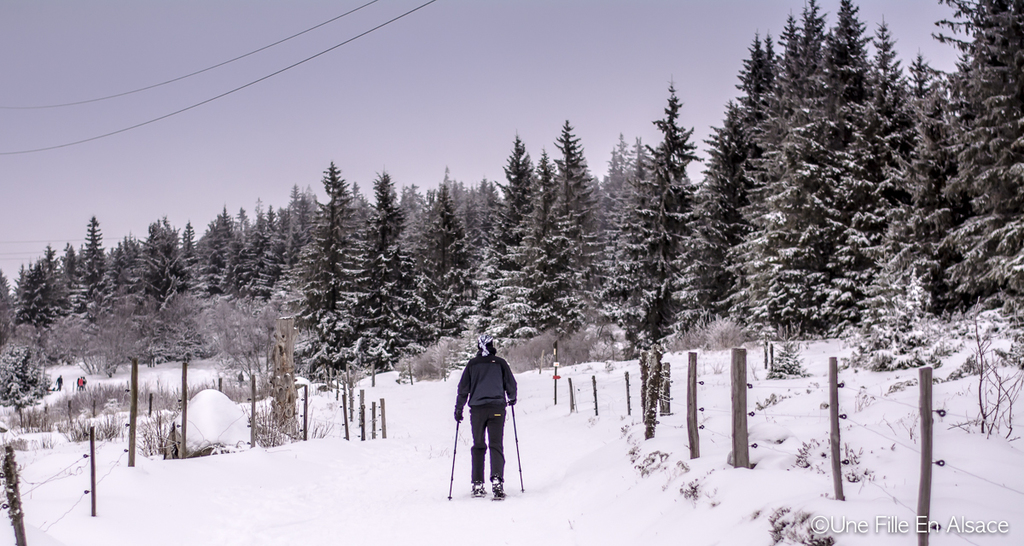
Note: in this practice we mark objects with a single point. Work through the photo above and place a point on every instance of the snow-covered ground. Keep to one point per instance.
(589, 480)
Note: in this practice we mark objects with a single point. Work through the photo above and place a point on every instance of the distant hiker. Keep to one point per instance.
(81, 383)
(60, 382)
(241, 379)
(485, 382)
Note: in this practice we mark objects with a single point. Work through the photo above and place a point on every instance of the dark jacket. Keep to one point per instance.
(485, 381)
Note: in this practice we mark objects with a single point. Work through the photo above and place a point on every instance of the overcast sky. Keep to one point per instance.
(448, 86)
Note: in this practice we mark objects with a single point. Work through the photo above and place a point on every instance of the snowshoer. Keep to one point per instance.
(60, 382)
(485, 383)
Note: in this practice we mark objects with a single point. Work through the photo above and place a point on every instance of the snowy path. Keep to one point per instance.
(582, 485)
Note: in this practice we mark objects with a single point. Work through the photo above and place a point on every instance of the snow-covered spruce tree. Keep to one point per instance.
(562, 243)
(548, 270)
(657, 231)
(804, 263)
(386, 305)
(94, 264)
(6, 311)
(897, 331)
(719, 224)
(512, 314)
(989, 92)
(577, 210)
(444, 285)
(215, 253)
(164, 272)
(787, 363)
(330, 270)
(936, 209)
(21, 377)
(124, 269)
(42, 292)
(724, 200)
(71, 268)
(259, 263)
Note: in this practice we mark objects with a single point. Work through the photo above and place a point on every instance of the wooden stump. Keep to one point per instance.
(282, 354)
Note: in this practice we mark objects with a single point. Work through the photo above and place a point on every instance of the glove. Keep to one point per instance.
(512, 402)
(458, 415)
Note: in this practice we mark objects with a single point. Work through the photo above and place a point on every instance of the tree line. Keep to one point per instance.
(841, 190)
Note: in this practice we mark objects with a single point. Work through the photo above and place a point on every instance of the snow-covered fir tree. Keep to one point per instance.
(42, 291)
(386, 321)
(7, 309)
(787, 361)
(330, 270)
(989, 95)
(657, 231)
(22, 380)
(444, 285)
(164, 270)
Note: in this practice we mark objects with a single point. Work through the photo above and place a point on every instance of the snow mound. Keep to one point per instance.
(214, 421)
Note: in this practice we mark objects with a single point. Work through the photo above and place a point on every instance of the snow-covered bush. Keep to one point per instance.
(22, 382)
(897, 332)
(787, 362)
(1015, 356)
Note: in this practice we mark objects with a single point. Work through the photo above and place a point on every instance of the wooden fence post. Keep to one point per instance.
(383, 422)
(924, 492)
(373, 420)
(665, 396)
(14, 496)
(362, 415)
(629, 409)
(572, 397)
(593, 378)
(305, 413)
(92, 467)
(833, 410)
(133, 409)
(740, 447)
(651, 360)
(183, 451)
(691, 407)
(252, 420)
(344, 412)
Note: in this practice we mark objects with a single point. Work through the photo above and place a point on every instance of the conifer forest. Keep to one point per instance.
(849, 191)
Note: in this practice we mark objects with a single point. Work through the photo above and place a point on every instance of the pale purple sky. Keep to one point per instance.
(450, 85)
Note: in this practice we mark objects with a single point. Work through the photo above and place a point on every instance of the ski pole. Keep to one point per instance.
(456, 448)
(518, 459)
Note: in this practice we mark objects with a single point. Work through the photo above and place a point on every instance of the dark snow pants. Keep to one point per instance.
(489, 419)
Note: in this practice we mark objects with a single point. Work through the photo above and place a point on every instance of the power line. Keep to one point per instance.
(222, 95)
(39, 241)
(196, 73)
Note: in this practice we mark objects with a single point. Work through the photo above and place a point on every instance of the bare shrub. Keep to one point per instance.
(709, 334)
(271, 433)
(154, 434)
(108, 427)
(242, 331)
(439, 359)
(725, 333)
(19, 444)
(36, 419)
(589, 345)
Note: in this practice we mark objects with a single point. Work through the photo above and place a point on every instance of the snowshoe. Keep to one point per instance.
(498, 489)
(479, 490)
